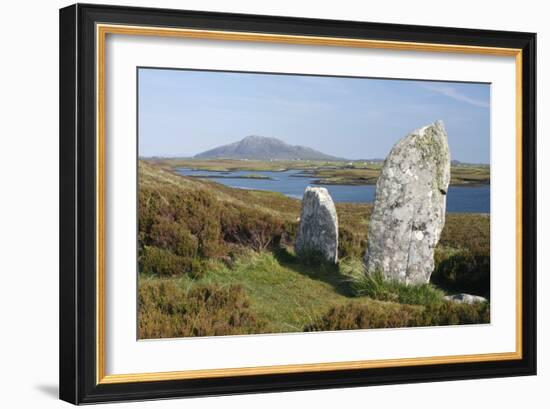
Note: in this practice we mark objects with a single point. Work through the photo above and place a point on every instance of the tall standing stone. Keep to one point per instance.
(318, 231)
(409, 209)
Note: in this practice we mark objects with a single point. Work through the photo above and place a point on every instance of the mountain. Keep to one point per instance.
(263, 148)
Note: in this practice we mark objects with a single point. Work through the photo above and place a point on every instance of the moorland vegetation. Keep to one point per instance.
(215, 260)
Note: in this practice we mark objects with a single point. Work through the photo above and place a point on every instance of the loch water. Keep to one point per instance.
(292, 183)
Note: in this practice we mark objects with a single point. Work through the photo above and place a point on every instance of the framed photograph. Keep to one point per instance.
(257, 203)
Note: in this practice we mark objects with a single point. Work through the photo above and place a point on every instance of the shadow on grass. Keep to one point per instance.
(316, 270)
(464, 273)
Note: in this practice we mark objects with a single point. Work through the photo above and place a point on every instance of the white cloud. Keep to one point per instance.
(453, 93)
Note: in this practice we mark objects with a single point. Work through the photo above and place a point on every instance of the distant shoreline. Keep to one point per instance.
(454, 163)
(261, 177)
(323, 172)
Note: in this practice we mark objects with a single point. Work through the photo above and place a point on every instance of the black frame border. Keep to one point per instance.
(78, 197)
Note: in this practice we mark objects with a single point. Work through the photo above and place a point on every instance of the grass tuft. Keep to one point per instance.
(377, 287)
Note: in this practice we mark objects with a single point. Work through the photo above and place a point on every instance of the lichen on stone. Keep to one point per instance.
(409, 208)
(318, 231)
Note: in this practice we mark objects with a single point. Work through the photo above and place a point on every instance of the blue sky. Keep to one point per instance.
(182, 113)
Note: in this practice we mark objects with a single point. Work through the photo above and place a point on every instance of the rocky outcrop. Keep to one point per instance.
(409, 209)
(318, 232)
(465, 298)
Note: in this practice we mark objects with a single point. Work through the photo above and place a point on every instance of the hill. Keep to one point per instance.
(263, 148)
(214, 260)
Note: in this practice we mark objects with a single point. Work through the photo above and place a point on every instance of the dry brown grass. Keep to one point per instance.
(369, 316)
(167, 311)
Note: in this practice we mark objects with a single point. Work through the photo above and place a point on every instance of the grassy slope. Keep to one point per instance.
(158, 176)
(284, 294)
(280, 294)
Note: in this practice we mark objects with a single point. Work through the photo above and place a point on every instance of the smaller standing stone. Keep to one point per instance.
(318, 231)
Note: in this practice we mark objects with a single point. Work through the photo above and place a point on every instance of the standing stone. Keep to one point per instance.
(318, 231)
(409, 209)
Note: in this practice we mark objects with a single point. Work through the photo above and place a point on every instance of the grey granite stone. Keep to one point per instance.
(409, 209)
(318, 231)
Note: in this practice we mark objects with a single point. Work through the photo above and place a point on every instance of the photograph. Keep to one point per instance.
(288, 203)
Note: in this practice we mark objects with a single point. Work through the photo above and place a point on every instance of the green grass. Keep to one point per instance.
(282, 292)
(268, 293)
(215, 260)
(376, 287)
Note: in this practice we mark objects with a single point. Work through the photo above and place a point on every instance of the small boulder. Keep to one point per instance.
(318, 231)
(409, 208)
(465, 298)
